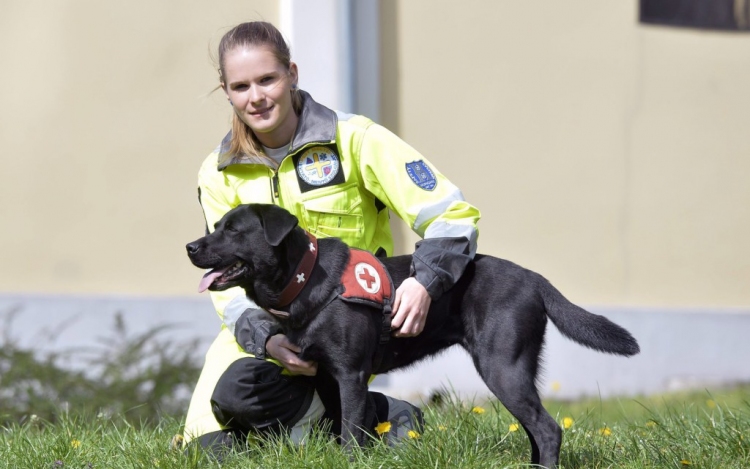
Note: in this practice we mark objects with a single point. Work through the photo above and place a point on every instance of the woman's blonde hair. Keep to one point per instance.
(255, 33)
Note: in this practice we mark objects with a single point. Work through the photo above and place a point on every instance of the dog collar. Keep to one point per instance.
(301, 273)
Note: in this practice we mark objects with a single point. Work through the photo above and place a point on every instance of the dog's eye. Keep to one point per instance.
(230, 228)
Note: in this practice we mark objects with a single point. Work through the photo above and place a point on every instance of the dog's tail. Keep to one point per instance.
(588, 329)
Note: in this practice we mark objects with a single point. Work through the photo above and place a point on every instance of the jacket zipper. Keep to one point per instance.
(275, 186)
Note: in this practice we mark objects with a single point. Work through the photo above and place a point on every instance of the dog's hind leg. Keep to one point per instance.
(511, 379)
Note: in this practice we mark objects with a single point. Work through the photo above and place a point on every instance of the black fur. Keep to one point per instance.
(497, 311)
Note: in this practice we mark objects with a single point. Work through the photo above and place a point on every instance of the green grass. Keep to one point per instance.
(701, 430)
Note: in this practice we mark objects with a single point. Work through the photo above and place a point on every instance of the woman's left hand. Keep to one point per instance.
(410, 308)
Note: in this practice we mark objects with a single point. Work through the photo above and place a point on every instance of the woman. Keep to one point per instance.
(340, 175)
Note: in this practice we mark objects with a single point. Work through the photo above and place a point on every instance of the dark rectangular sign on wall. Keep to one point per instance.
(730, 15)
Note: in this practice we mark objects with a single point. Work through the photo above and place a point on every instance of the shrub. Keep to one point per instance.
(138, 376)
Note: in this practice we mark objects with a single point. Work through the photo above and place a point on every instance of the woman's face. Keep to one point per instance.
(259, 88)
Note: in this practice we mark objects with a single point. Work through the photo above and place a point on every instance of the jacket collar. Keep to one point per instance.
(317, 124)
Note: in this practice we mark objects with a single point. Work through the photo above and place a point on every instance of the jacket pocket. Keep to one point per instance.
(336, 214)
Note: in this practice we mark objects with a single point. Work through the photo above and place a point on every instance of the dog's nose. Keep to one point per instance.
(193, 247)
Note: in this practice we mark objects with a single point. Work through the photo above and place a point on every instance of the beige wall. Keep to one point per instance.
(611, 157)
(105, 119)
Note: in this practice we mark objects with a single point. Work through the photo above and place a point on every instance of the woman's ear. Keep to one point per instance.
(294, 74)
(226, 93)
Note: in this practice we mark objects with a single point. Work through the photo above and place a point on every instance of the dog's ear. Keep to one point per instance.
(277, 223)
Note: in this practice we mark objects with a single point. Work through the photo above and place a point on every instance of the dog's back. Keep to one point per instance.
(498, 304)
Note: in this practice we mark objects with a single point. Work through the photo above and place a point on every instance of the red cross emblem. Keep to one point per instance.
(367, 277)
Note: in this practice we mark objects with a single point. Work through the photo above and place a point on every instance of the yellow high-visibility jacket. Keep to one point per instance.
(341, 176)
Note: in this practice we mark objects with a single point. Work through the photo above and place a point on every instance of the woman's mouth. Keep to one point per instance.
(262, 112)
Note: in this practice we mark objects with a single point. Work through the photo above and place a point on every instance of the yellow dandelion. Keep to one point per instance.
(685, 462)
(605, 431)
(478, 410)
(650, 424)
(442, 428)
(413, 435)
(177, 442)
(383, 427)
(556, 386)
(567, 422)
(75, 443)
(711, 404)
(513, 427)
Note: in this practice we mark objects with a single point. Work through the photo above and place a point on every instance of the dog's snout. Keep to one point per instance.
(193, 247)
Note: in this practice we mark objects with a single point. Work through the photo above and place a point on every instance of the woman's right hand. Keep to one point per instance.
(279, 347)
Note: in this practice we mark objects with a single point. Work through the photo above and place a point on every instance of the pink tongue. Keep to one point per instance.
(209, 278)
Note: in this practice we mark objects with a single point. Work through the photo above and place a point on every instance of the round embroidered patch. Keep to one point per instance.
(367, 277)
(318, 166)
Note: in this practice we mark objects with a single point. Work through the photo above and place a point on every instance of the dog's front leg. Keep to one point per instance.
(353, 392)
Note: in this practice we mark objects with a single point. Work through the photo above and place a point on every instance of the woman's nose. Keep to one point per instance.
(256, 94)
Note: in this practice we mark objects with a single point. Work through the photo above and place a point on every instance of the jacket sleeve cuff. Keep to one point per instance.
(253, 329)
(427, 277)
(438, 263)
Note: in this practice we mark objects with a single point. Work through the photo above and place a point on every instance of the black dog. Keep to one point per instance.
(497, 311)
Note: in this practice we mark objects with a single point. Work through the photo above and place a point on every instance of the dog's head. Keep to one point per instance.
(243, 246)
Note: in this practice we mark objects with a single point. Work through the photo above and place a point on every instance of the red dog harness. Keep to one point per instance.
(366, 281)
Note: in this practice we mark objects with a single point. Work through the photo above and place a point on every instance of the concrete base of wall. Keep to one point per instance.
(680, 349)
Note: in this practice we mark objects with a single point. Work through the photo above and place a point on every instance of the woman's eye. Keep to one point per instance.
(240, 88)
(266, 80)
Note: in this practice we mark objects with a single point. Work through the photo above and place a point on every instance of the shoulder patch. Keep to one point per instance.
(421, 174)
